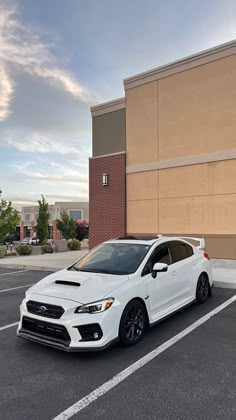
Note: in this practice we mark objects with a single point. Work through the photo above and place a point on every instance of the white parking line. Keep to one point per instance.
(103, 389)
(9, 326)
(14, 288)
(13, 272)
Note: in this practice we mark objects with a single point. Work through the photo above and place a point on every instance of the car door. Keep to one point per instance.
(182, 256)
(162, 289)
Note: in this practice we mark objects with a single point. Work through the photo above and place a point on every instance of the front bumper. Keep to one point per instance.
(63, 347)
(66, 333)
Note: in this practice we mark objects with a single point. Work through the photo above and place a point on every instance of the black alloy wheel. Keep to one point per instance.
(132, 324)
(203, 288)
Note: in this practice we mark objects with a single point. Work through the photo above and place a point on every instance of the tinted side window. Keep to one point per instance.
(180, 251)
(161, 254)
(189, 250)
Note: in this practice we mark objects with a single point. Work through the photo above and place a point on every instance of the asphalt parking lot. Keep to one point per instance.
(194, 378)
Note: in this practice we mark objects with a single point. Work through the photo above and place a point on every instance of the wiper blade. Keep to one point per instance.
(92, 270)
(73, 268)
(107, 272)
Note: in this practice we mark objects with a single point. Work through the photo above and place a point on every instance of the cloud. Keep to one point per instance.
(21, 47)
(36, 143)
(44, 109)
(6, 91)
(23, 166)
(58, 181)
(59, 78)
(52, 174)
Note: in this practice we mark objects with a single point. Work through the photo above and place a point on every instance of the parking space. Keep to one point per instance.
(12, 278)
(193, 379)
(13, 286)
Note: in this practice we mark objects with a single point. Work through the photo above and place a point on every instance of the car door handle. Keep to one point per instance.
(173, 273)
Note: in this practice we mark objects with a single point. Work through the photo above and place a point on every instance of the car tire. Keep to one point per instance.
(203, 289)
(132, 323)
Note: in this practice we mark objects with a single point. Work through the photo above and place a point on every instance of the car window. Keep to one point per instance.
(180, 251)
(114, 258)
(161, 254)
(102, 256)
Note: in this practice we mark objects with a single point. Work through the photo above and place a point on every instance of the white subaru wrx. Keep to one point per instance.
(115, 291)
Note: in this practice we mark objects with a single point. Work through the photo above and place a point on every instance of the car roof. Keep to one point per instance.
(132, 242)
(139, 241)
(159, 238)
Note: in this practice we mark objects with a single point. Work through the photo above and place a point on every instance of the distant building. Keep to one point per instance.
(79, 211)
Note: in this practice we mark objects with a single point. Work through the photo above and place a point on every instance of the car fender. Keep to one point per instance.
(202, 265)
(134, 288)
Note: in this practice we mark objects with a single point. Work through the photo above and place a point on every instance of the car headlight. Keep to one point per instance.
(95, 307)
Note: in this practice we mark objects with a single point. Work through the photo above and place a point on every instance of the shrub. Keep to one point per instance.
(3, 251)
(73, 244)
(66, 225)
(11, 254)
(47, 249)
(81, 230)
(24, 249)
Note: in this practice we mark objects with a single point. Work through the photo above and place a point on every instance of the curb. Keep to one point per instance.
(224, 284)
(31, 267)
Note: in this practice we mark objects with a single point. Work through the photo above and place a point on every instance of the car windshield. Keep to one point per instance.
(113, 258)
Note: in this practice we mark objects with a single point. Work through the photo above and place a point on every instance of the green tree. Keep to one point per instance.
(9, 219)
(66, 225)
(42, 221)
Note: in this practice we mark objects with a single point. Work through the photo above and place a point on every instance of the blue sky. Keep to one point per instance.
(59, 57)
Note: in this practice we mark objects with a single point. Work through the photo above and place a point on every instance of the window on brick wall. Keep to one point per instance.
(27, 217)
(76, 214)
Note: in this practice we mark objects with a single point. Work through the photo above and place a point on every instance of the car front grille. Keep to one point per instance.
(45, 309)
(46, 330)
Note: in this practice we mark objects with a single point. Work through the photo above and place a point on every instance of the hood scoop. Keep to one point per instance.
(68, 283)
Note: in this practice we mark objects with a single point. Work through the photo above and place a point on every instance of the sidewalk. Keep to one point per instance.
(44, 262)
(222, 276)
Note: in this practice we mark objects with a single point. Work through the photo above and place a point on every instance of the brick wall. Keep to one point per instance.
(56, 233)
(107, 205)
(22, 231)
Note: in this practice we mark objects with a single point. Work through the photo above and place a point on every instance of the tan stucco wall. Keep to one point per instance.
(141, 128)
(142, 216)
(186, 114)
(197, 198)
(197, 110)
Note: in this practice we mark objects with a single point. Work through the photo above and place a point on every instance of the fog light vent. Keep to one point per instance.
(90, 332)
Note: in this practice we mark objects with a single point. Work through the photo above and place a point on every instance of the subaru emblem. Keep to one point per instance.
(42, 309)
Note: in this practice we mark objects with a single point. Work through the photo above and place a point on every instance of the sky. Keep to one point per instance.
(60, 57)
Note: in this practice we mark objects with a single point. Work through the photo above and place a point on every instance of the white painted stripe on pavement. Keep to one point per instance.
(14, 288)
(9, 326)
(13, 272)
(103, 389)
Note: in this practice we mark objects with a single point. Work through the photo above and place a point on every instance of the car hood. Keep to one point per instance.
(80, 287)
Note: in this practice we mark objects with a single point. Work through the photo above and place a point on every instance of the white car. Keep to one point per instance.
(114, 292)
(30, 241)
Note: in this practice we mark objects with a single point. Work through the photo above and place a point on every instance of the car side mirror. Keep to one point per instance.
(159, 268)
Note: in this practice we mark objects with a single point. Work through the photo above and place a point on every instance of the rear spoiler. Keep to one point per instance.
(200, 240)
